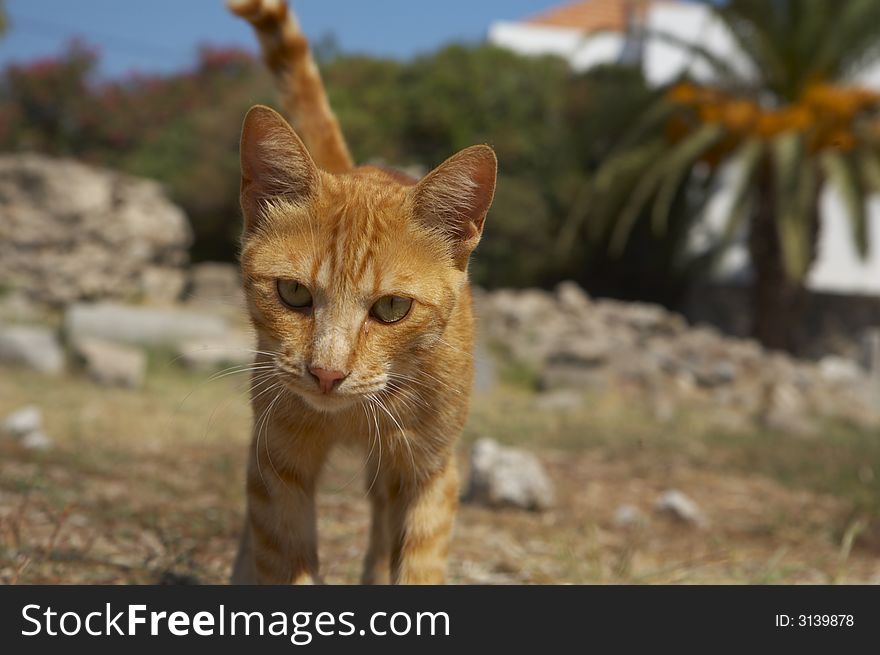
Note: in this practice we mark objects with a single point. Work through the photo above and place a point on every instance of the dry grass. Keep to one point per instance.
(146, 487)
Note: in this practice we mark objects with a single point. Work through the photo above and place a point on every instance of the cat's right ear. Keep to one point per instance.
(455, 196)
(274, 164)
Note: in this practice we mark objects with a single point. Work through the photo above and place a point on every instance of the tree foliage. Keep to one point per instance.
(548, 126)
(786, 120)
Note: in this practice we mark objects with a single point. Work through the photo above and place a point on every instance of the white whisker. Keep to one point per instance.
(378, 441)
(385, 409)
(416, 380)
(266, 440)
(407, 394)
(258, 426)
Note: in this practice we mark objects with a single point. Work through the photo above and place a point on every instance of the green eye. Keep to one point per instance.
(294, 294)
(390, 309)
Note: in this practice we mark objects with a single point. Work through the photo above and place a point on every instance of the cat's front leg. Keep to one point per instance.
(422, 515)
(377, 563)
(282, 522)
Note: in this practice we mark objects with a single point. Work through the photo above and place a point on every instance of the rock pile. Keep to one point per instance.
(73, 232)
(574, 342)
(109, 342)
(215, 285)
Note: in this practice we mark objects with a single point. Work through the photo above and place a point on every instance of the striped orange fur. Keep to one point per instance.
(286, 53)
(329, 255)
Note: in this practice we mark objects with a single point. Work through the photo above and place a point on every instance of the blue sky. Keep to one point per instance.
(161, 35)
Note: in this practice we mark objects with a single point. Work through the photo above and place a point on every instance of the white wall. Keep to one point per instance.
(692, 23)
(838, 267)
(663, 61)
(582, 52)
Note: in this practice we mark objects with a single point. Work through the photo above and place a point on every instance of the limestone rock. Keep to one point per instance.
(26, 425)
(502, 476)
(32, 347)
(216, 283)
(111, 364)
(629, 517)
(140, 326)
(162, 284)
(37, 440)
(840, 369)
(74, 232)
(680, 507)
(217, 352)
(23, 421)
(573, 342)
(572, 298)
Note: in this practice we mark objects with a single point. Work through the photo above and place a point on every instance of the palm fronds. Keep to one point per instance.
(785, 132)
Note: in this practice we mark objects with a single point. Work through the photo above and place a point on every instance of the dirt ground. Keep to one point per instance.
(147, 487)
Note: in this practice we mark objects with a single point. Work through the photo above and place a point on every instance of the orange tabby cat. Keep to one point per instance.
(356, 280)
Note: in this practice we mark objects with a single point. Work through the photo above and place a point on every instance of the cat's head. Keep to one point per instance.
(352, 278)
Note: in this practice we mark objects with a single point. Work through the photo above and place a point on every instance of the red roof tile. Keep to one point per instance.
(591, 15)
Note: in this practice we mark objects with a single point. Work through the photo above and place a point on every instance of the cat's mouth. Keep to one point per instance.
(334, 401)
(339, 397)
(327, 402)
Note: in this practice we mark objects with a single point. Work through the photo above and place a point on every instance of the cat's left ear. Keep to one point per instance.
(456, 196)
(274, 164)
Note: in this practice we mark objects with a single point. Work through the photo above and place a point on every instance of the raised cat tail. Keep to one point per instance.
(286, 52)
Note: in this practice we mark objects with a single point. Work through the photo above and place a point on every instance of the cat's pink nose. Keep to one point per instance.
(327, 380)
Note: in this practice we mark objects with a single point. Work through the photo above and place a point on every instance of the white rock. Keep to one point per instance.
(502, 476)
(23, 421)
(70, 231)
(677, 505)
(163, 284)
(37, 440)
(571, 297)
(32, 347)
(840, 369)
(217, 352)
(629, 516)
(140, 326)
(111, 364)
(788, 411)
(26, 425)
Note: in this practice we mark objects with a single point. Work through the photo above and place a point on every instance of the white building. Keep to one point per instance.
(592, 32)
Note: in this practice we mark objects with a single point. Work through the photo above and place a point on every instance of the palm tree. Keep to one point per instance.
(782, 122)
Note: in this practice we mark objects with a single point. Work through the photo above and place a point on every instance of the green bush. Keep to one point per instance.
(549, 127)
